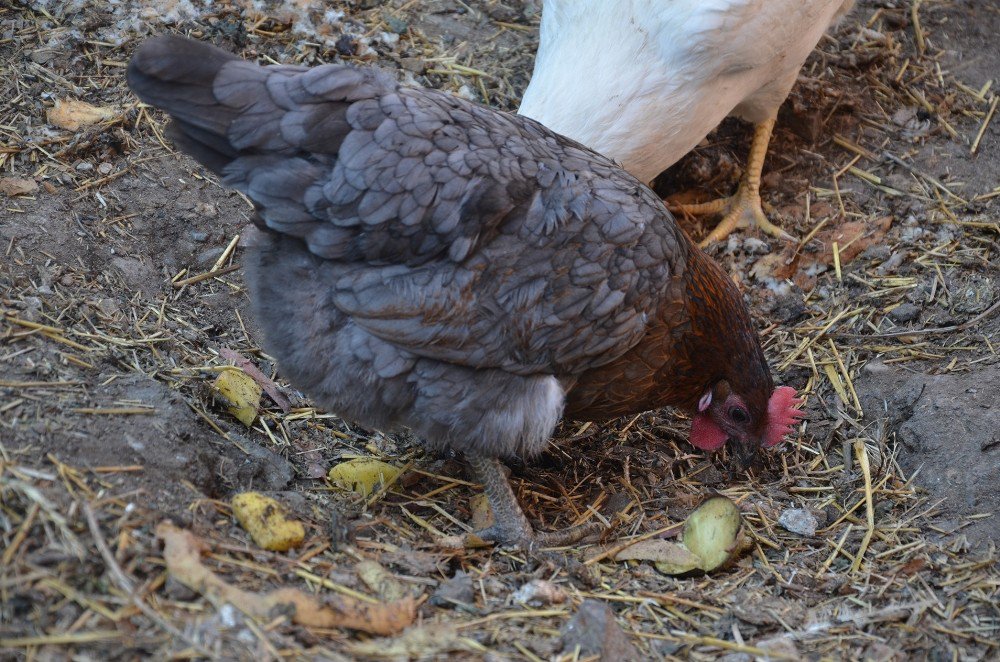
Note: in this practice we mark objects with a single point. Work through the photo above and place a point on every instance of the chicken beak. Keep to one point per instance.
(744, 451)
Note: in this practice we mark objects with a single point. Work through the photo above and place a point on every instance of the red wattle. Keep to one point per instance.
(705, 434)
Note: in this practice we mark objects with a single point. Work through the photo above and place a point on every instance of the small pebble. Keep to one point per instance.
(397, 25)
(539, 592)
(594, 631)
(43, 56)
(108, 307)
(346, 45)
(755, 246)
(207, 209)
(799, 521)
(455, 592)
(209, 256)
(905, 312)
(414, 64)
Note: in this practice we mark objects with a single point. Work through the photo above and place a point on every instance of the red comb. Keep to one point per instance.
(782, 414)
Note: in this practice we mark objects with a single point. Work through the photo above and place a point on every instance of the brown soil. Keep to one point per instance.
(106, 365)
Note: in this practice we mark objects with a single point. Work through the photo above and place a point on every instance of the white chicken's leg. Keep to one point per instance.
(511, 526)
(743, 208)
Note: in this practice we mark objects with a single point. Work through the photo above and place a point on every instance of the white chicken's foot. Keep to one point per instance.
(511, 527)
(743, 208)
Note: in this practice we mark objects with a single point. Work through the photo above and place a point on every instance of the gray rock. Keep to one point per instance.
(906, 312)
(397, 25)
(262, 468)
(799, 521)
(594, 630)
(455, 592)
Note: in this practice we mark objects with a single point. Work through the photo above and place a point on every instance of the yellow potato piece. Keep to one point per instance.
(712, 538)
(240, 394)
(712, 532)
(266, 522)
(362, 475)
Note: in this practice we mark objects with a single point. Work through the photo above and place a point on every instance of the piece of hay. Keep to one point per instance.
(425, 642)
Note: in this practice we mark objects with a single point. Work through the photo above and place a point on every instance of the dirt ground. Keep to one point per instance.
(885, 161)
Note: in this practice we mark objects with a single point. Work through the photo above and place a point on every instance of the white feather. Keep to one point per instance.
(643, 81)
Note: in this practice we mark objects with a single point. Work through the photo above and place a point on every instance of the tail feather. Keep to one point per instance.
(177, 75)
(224, 107)
(273, 133)
(211, 149)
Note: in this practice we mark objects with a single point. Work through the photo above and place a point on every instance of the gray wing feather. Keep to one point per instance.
(456, 232)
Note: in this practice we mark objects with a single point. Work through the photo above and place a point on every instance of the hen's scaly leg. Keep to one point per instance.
(743, 208)
(511, 527)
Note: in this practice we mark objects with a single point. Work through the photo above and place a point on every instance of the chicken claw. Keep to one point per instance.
(743, 208)
(512, 527)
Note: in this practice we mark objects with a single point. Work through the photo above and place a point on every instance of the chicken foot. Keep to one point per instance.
(511, 527)
(743, 208)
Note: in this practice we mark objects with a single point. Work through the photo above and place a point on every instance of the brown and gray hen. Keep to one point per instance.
(464, 272)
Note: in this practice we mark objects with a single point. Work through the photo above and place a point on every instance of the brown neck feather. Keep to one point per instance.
(721, 342)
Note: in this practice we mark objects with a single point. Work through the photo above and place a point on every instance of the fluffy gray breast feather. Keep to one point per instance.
(454, 231)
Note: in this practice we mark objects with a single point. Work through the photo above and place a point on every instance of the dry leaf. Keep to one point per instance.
(72, 114)
(913, 566)
(852, 238)
(463, 541)
(240, 393)
(265, 520)
(671, 558)
(803, 267)
(12, 186)
(311, 455)
(182, 553)
(363, 475)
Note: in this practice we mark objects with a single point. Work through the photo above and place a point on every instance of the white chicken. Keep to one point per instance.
(644, 81)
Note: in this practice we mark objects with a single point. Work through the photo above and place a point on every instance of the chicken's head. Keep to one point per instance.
(724, 415)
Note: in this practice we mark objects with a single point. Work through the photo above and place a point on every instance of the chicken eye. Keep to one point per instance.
(739, 415)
